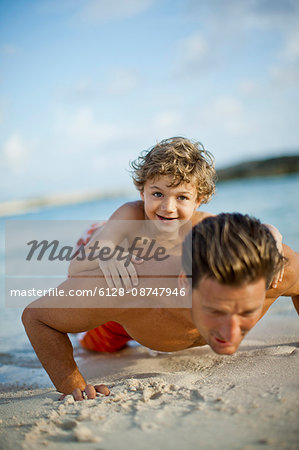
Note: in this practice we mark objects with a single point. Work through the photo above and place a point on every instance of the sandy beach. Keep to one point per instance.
(188, 399)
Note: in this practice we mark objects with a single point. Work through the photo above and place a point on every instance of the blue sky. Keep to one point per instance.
(86, 85)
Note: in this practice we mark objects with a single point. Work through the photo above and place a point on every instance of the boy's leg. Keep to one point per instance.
(109, 337)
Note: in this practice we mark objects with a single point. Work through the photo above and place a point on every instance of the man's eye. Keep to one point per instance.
(217, 313)
(157, 194)
(248, 313)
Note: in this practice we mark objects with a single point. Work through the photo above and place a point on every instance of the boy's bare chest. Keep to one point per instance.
(163, 329)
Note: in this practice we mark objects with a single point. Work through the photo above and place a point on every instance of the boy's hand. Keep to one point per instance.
(116, 271)
(278, 238)
(90, 392)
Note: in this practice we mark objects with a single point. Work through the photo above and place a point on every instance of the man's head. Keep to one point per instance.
(181, 161)
(234, 258)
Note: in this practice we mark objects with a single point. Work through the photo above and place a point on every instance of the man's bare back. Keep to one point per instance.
(160, 328)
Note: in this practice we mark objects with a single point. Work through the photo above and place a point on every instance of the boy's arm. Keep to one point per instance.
(111, 231)
(109, 235)
(289, 286)
(199, 216)
(278, 239)
(292, 276)
(47, 322)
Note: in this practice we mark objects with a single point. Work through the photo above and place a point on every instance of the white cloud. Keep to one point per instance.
(291, 50)
(286, 70)
(194, 47)
(167, 118)
(235, 14)
(229, 22)
(122, 81)
(84, 88)
(117, 81)
(192, 53)
(100, 10)
(58, 6)
(91, 12)
(17, 153)
(81, 91)
(8, 49)
(249, 87)
(82, 129)
(286, 76)
(166, 123)
(227, 114)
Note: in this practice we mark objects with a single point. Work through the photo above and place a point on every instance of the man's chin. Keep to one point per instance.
(224, 349)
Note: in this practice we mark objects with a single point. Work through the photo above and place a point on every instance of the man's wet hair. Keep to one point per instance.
(234, 249)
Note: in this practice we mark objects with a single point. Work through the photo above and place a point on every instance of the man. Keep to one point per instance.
(233, 257)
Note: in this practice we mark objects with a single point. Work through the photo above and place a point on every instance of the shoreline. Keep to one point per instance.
(27, 205)
(23, 206)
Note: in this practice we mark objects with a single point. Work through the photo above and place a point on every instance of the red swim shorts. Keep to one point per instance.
(109, 337)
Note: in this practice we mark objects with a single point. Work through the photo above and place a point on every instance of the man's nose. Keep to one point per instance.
(230, 328)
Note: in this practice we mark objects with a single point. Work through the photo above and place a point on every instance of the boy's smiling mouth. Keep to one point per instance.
(165, 218)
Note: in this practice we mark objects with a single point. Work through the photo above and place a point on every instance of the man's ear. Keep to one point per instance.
(142, 195)
(183, 282)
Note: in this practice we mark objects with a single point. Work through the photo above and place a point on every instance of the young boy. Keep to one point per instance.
(174, 178)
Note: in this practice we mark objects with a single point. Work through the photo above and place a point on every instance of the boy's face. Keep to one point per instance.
(166, 204)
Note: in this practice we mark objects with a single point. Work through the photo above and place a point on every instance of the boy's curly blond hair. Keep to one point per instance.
(183, 160)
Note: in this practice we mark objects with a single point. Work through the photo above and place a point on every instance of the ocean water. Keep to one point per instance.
(272, 200)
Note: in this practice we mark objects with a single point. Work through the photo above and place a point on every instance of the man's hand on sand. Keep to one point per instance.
(90, 392)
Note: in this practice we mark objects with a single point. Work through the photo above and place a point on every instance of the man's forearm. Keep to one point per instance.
(60, 366)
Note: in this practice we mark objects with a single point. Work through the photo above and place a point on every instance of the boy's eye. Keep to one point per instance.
(157, 194)
(182, 197)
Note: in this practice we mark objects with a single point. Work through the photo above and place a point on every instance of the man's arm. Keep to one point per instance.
(47, 322)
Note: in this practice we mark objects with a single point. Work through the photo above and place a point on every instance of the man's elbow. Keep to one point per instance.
(29, 317)
(26, 316)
